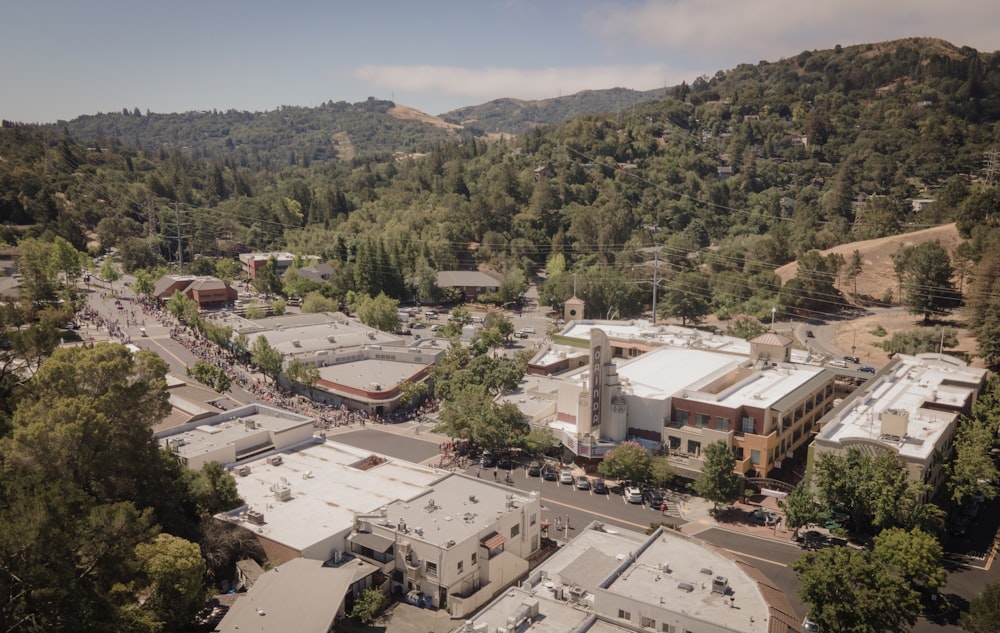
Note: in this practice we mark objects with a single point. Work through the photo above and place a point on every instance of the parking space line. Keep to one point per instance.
(758, 558)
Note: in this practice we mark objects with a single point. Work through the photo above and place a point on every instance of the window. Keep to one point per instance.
(748, 425)
(675, 442)
(624, 615)
(668, 628)
(461, 566)
(694, 447)
(700, 420)
(681, 417)
(515, 530)
(648, 623)
(534, 519)
(473, 558)
(432, 569)
(755, 457)
(721, 424)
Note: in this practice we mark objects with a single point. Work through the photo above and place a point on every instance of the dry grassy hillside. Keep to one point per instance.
(877, 273)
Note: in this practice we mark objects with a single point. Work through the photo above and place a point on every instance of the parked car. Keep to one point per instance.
(632, 495)
(582, 483)
(566, 477)
(436, 327)
(867, 369)
(838, 363)
(598, 487)
(808, 626)
(852, 359)
(760, 516)
(535, 468)
(809, 334)
(654, 498)
(549, 473)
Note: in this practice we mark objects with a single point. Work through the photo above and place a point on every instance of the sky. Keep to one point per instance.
(63, 58)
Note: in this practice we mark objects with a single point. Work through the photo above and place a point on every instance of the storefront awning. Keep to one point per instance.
(493, 541)
(374, 542)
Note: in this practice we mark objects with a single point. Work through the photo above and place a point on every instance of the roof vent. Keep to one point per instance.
(686, 586)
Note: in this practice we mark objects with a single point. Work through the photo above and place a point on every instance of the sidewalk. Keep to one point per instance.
(698, 514)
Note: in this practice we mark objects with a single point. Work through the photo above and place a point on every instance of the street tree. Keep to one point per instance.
(499, 322)
(913, 554)
(661, 471)
(800, 506)
(629, 461)
(718, 483)
(984, 611)
(972, 469)
(110, 273)
(228, 270)
(875, 492)
(299, 373)
(144, 283)
(540, 440)
(269, 359)
(851, 591)
(925, 276)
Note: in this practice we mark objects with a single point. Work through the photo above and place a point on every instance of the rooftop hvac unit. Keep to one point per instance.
(282, 493)
(720, 584)
(576, 593)
(274, 460)
(243, 471)
(255, 517)
(706, 571)
(686, 586)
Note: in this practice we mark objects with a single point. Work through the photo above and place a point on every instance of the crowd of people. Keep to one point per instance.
(241, 372)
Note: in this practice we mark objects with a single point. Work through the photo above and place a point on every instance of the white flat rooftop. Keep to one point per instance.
(663, 372)
(296, 340)
(211, 434)
(365, 373)
(916, 386)
(672, 335)
(691, 563)
(588, 564)
(327, 489)
(462, 508)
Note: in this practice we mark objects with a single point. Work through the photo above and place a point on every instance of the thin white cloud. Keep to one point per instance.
(740, 31)
(493, 82)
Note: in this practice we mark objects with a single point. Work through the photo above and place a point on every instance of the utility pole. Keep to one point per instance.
(992, 165)
(180, 238)
(656, 283)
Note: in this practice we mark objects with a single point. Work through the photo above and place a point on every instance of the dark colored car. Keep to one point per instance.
(852, 359)
(809, 334)
(760, 516)
(867, 369)
(550, 474)
(654, 498)
(598, 487)
(535, 468)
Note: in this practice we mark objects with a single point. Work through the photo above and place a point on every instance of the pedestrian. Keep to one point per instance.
(477, 472)
(494, 474)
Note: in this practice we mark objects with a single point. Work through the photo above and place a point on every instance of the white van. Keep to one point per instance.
(838, 363)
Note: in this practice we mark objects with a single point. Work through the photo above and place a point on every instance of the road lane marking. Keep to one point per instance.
(551, 502)
(760, 558)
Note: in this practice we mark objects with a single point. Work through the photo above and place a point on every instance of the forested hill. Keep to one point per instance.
(274, 139)
(731, 177)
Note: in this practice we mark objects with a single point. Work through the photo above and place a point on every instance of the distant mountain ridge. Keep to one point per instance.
(929, 67)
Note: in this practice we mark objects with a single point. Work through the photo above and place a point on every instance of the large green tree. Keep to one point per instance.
(269, 359)
(984, 611)
(629, 461)
(853, 591)
(687, 297)
(718, 483)
(925, 279)
(379, 312)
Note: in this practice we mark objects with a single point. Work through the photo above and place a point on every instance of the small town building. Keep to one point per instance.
(611, 581)
(912, 407)
(469, 283)
(208, 292)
